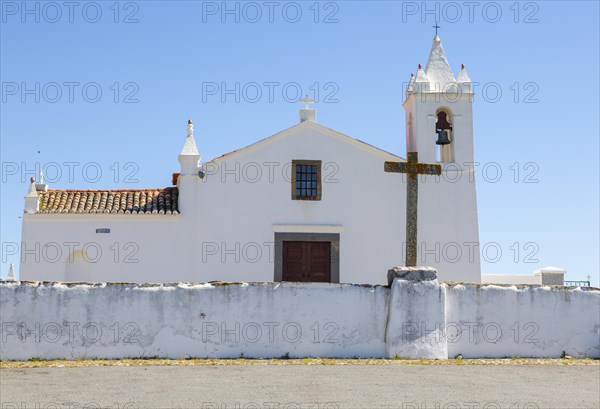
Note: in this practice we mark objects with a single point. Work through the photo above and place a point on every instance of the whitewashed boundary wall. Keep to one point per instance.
(524, 320)
(410, 319)
(54, 320)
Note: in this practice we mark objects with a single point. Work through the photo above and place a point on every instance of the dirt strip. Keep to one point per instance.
(61, 363)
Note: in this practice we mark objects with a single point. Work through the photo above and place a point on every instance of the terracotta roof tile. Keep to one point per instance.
(126, 201)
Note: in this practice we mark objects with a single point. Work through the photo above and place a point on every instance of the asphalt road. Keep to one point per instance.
(297, 386)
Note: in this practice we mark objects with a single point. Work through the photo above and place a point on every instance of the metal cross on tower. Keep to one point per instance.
(413, 168)
(436, 28)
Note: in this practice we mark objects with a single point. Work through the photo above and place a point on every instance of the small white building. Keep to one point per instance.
(542, 276)
(306, 204)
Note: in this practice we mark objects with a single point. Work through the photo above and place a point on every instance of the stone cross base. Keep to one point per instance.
(417, 314)
(412, 274)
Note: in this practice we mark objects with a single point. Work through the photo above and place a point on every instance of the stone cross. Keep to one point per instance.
(413, 168)
(307, 101)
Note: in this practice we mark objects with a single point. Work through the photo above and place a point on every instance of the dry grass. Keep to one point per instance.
(61, 363)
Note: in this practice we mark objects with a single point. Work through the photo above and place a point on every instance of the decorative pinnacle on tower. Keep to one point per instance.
(463, 77)
(437, 77)
(438, 69)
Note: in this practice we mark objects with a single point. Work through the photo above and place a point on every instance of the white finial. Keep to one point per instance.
(190, 129)
(11, 273)
(463, 76)
(307, 101)
(32, 192)
(41, 177)
(421, 76)
(189, 147)
(421, 82)
(411, 84)
(31, 198)
(189, 156)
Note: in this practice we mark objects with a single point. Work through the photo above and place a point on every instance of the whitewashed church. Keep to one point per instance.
(306, 204)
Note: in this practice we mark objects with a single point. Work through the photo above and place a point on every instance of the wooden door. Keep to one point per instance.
(307, 261)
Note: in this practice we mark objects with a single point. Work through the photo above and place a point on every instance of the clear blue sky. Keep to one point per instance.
(362, 52)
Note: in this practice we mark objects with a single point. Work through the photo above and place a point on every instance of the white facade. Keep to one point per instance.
(227, 223)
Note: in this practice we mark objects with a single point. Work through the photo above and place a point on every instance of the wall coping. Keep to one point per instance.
(191, 284)
(452, 284)
(521, 286)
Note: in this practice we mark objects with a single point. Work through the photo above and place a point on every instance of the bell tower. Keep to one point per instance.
(439, 115)
(439, 127)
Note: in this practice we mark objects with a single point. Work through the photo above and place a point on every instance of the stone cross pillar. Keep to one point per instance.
(413, 168)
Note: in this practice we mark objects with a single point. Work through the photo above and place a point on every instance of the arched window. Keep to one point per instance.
(444, 137)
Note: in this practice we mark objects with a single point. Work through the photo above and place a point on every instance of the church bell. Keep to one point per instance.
(442, 138)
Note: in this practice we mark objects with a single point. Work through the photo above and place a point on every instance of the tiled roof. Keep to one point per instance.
(127, 201)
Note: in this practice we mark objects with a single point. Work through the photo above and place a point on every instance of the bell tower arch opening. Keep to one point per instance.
(444, 136)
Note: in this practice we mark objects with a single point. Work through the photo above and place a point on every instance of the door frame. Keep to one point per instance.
(333, 238)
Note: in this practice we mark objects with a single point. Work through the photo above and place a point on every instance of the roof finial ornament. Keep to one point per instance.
(11, 273)
(462, 66)
(190, 129)
(31, 198)
(420, 66)
(307, 113)
(436, 28)
(41, 176)
(190, 150)
(307, 101)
